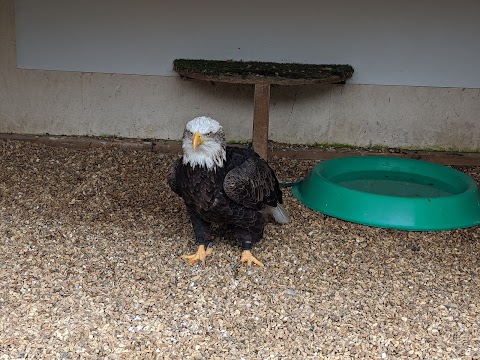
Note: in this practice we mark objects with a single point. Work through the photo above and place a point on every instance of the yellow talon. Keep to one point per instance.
(201, 254)
(248, 257)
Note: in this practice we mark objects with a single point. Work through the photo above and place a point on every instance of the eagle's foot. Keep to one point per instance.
(247, 257)
(201, 254)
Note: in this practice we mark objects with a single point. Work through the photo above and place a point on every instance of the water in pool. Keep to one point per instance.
(394, 183)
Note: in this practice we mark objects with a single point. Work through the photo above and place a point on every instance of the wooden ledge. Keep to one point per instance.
(262, 75)
(257, 72)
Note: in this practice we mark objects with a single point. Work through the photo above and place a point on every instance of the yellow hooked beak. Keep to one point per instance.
(197, 140)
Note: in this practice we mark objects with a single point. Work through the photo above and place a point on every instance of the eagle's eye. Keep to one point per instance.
(209, 134)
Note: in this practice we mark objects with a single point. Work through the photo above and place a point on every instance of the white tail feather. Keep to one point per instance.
(279, 213)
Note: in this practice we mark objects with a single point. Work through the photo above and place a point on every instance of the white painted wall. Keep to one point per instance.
(403, 42)
(140, 106)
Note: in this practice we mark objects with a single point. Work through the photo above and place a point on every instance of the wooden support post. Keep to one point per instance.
(261, 108)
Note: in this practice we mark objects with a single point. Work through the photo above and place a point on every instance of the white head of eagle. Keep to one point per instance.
(204, 143)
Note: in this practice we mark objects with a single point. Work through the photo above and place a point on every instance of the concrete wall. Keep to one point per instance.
(80, 103)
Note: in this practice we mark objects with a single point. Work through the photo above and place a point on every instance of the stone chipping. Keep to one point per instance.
(90, 267)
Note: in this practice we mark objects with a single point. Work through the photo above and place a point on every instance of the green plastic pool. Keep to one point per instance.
(392, 193)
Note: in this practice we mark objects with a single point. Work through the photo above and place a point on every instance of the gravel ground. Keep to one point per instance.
(90, 267)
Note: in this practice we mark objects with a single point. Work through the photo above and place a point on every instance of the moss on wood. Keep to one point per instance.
(218, 68)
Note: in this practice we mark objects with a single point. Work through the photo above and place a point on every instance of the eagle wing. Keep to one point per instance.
(172, 178)
(253, 184)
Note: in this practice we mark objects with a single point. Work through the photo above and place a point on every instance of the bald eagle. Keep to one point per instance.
(226, 185)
